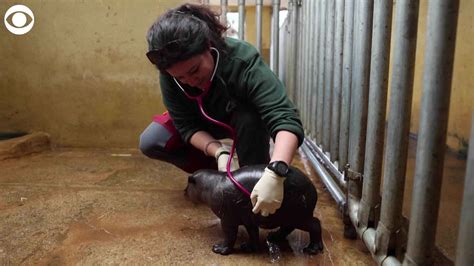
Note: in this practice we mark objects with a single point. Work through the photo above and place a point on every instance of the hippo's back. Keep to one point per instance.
(299, 199)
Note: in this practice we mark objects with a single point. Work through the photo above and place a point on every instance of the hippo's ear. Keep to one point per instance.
(191, 179)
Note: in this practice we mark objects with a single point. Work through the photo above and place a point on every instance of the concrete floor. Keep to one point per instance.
(115, 206)
(108, 206)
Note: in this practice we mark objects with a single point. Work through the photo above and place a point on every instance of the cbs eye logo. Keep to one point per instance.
(19, 19)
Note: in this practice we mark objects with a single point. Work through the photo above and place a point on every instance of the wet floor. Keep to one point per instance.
(88, 206)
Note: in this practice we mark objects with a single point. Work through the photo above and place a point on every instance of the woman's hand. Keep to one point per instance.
(222, 156)
(267, 195)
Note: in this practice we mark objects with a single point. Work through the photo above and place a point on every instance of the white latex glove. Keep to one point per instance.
(222, 156)
(267, 195)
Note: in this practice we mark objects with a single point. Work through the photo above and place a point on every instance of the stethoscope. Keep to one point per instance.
(198, 99)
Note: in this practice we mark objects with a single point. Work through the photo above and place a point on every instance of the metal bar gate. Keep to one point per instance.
(335, 64)
(339, 80)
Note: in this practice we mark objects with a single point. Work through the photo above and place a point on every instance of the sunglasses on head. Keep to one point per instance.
(169, 47)
(153, 56)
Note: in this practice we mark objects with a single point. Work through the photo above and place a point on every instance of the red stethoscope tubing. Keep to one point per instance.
(231, 155)
(198, 99)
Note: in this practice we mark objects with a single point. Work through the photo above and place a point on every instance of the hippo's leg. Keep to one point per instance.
(313, 226)
(230, 232)
(280, 235)
(252, 245)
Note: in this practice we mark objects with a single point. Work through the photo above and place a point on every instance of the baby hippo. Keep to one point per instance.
(234, 208)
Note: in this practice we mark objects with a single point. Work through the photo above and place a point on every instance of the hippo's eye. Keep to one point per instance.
(191, 179)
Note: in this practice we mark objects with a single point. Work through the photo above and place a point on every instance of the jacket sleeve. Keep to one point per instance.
(182, 110)
(268, 95)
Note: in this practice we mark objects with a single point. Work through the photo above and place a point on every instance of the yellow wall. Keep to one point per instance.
(81, 74)
(251, 29)
(462, 94)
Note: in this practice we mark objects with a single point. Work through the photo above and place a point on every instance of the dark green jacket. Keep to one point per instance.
(241, 78)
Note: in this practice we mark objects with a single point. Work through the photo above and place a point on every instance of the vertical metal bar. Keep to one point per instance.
(360, 85)
(223, 17)
(438, 72)
(377, 111)
(242, 19)
(346, 83)
(275, 35)
(355, 36)
(337, 80)
(298, 48)
(398, 124)
(312, 59)
(322, 47)
(465, 247)
(302, 73)
(298, 64)
(328, 71)
(300, 61)
(286, 42)
(259, 4)
(293, 12)
(306, 5)
(315, 69)
(282, 40)
(358, 120)
(307, 54)
(288, 46)
(311, 55)
(289, 51)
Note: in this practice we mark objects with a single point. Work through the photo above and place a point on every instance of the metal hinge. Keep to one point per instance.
(351, 174)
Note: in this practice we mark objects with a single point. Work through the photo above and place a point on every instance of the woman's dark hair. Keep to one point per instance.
(183, 32)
